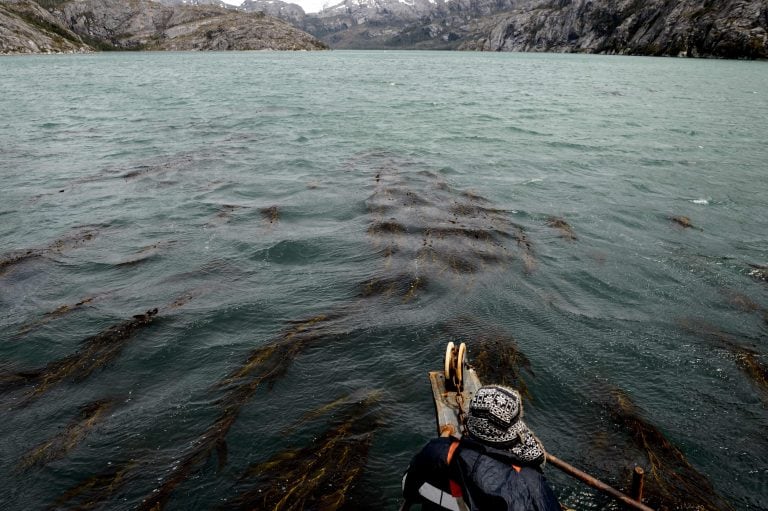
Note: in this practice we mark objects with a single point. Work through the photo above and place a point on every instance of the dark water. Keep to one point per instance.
(313, 227)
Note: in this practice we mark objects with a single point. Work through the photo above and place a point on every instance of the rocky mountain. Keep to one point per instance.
(291, 13)
(716, 28)
(25, 27)
(142, 25)
(218, 3)
(708, 28)
(432, 24)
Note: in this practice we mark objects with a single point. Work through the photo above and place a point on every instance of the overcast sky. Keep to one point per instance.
(307, 5)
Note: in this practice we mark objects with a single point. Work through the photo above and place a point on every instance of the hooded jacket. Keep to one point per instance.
(468, 475)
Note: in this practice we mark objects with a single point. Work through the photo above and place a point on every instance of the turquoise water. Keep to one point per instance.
(241, 193)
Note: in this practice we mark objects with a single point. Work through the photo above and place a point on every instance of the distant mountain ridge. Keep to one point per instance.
(217, 3)
(292, 13)
(708, 28)
(363, 24)
(694, 28)
(68, 26)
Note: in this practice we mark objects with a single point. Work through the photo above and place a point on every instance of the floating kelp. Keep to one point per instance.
(10, 379)
(226, 210)
(173, 164)
(156, 167)
(747, 358)
(684, 222)
(341, 405)
(184, 298)
(271, 214)
(473, 196)
(95, 352)
(135, 261)
(419, 221)
(405, 285)
(224, 215)
(265, 365)
(77, 238)
(94, 491)
(13, 259)
(407, 198)
(60, 445)
(750, 362)
(448, 261)
(146, 253)
(743, 302)
(759, 272)
(466, 209)
(670, 482)
(746, 304)
(486, 235)
(500, 361)
(379, 228)
(529, 261)
(269, 362)
(566, 231)
(211, 441)
(60, 311)
(319, 476)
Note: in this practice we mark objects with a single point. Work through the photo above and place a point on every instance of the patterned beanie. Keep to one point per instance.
(495, 418)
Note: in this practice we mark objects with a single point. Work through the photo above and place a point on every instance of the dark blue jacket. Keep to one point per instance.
(477, 477)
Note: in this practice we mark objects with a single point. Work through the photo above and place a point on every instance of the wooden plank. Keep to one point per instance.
(446, 406)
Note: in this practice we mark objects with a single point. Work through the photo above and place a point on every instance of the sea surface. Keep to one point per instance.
(313, 228)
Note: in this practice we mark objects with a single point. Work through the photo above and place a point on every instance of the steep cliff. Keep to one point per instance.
(25, 27)
(729, 28)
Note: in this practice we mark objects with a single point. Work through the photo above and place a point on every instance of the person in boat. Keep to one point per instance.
(495, 467)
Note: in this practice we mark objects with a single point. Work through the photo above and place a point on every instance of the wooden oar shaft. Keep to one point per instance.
(596, 483)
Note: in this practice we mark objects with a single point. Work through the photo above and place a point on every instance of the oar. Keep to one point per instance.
(597, 484)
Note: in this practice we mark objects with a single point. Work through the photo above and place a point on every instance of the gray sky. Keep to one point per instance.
(307, 5)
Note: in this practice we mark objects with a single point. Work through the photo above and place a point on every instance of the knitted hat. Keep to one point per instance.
(495, 418)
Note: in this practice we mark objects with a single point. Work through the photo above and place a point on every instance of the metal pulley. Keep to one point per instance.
(455, 365)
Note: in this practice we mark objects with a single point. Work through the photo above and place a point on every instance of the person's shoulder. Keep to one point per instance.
(437, 448)
(473, 448)
(429, 465)
(433, 456)
(441, 441)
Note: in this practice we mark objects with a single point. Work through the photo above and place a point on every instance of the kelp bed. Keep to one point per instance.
(671, 482)
(429, 237)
